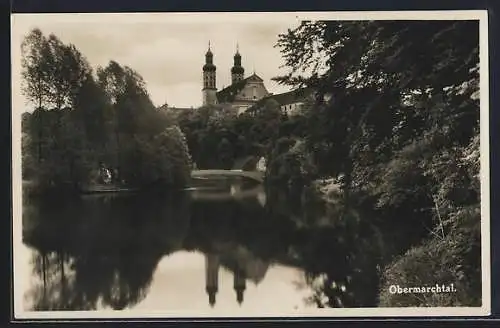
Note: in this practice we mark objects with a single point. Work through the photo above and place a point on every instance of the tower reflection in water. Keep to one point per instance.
(212, 265)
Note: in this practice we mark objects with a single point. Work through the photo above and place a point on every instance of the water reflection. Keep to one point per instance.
(105, 249)
(180, 283)
(191, 250)
(243, 265)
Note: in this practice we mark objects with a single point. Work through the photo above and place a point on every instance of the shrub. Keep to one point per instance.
(444, 259)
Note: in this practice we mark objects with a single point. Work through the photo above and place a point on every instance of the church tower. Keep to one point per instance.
(237, 70)
(209, 87)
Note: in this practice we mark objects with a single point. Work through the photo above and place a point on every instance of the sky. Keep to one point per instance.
(167, 50)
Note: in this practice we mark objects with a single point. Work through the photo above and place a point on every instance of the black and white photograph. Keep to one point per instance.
(286, 164)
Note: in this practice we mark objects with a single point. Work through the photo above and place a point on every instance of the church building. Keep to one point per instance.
(243, 93)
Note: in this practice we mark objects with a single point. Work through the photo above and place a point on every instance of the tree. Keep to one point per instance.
(93, 108)
(165, 159)
(371, 68)
(85, 122)
(35, 68)
(35, 73)
(52, 74)
(132, 118)
(52, 71)
(225, 154)
(403, 108)
(68, 71)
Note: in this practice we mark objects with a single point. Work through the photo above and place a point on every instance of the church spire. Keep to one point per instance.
(237, 71)
(209, 55)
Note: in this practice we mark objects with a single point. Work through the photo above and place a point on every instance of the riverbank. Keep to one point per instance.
(32, 188)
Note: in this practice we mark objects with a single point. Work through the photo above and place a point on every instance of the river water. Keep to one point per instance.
(194, 251)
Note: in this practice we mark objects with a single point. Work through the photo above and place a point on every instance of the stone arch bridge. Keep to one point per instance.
(252, 175)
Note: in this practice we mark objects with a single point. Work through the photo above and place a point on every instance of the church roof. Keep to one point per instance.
(176, 112)
(287, 98)
(163, 107)
(166, 107)
(229, 93)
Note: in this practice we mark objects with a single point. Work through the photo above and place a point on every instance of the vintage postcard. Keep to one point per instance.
(201, 165)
